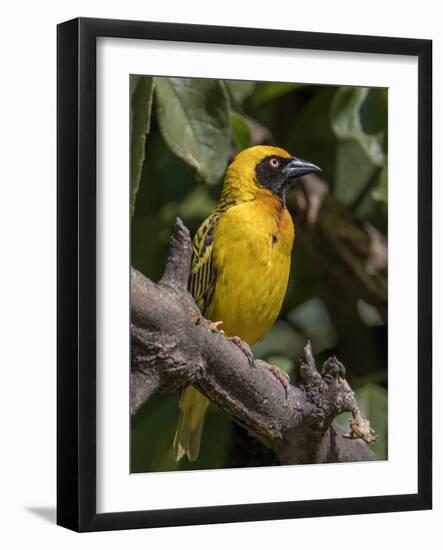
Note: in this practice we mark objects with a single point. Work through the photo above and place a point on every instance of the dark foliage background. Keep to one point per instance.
(183, 133)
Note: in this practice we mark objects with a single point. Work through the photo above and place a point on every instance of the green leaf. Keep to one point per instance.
(369, 314)
(133, 81)
(283, 363)
(196, 205)
(215, 444)
(241, 132)
(152, 435)
(374, 113)
(193, 116)
(347, 125)
(239, 90)
(373, 402)
(361, 156)
(267, 91)
(141, 103)
(353, 171)
(282, 340)
(312, 318)
(380, 193)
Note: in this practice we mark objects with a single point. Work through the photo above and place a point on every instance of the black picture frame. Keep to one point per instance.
(76, 265)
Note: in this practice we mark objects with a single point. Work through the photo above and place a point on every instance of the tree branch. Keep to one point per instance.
(173, 347)
(355, 253)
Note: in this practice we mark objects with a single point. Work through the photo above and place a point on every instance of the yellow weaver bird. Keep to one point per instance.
(241, 262)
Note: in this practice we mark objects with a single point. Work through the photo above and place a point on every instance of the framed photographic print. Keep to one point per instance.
(244, 274)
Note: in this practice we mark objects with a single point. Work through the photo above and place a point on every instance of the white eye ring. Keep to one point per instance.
(274, 163)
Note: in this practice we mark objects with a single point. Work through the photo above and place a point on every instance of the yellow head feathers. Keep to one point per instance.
(241, 178)
(262, 169)
(254, 155)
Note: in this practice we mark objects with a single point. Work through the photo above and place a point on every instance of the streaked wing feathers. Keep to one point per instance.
(203, 272)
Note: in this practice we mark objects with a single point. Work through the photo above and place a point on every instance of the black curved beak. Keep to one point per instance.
(299, 167)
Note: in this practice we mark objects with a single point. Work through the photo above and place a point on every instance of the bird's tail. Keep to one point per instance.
(187, 438)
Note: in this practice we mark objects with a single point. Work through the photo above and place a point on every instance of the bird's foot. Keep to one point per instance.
(196, 318)
(244, 347)
(281, 375)
(213, 326)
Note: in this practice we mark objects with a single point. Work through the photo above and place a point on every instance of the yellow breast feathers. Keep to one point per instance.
(252, 258)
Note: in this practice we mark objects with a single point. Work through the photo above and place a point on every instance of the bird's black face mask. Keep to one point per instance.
(275, 173)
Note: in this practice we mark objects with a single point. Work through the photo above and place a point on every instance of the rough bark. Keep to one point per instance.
(173, 346)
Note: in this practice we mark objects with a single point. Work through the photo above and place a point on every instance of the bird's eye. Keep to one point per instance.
(274, 163)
